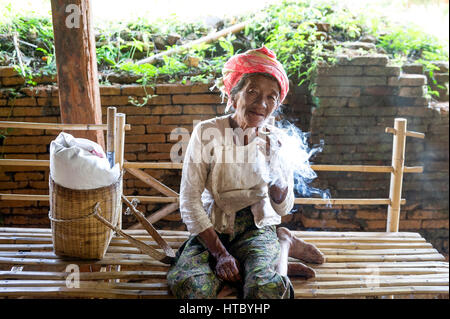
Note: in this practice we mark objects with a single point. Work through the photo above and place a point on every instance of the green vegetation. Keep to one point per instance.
(302, 34)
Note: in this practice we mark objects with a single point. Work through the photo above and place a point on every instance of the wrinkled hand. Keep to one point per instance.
(227, 268)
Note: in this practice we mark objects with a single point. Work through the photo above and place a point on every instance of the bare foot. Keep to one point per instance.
(299, 248)
(301, 270)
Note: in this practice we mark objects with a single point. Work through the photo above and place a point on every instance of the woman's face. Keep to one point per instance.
(256, 101)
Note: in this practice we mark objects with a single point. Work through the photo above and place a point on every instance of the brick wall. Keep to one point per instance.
(357, 100)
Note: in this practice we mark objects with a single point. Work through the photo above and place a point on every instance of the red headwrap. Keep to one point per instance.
(260, 60)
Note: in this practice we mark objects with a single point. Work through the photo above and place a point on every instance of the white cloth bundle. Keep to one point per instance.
(78, 163)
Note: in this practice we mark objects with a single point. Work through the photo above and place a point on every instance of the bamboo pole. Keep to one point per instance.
(344, 201)
(143, 247)
(57, 126)
(120, 147)
(206, 39)
(24, 162)
(111, 135)
(161, 213)
(323, 167)
(153, 165)
(153, 182)
(174, 199)
(150, 229)
(168, 165)
(408, 133)
(398, 161)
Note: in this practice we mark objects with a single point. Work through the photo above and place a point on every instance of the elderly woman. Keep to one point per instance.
(231, 201)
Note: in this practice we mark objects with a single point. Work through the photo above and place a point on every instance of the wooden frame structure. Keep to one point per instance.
(358, 264)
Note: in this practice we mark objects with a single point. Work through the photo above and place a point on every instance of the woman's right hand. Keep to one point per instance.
(227, 268)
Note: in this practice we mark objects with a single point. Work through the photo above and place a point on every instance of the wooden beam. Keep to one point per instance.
(76, 64)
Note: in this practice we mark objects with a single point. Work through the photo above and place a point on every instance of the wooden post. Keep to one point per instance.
(76, 64)
(119, 147)
(398, 162)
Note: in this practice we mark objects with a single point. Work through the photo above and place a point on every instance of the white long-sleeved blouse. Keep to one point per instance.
(217, 182)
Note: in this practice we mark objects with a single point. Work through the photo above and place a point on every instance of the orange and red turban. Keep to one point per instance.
(260, 60)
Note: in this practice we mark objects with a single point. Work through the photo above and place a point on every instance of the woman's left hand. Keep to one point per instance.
(277, 186)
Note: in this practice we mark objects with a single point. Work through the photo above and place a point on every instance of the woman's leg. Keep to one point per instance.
(191, 277)
(258, 252)
(298, 248)
(291, 246)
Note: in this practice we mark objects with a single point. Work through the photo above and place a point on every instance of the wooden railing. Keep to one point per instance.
(396, 170)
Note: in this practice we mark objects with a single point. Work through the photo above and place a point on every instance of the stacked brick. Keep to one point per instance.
(358, 98)
(438, 82)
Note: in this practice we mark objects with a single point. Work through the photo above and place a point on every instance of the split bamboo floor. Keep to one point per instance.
(358, 265)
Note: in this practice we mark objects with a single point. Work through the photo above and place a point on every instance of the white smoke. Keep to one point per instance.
(293, 155)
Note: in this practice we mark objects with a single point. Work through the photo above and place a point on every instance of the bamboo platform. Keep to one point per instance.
(358, 265)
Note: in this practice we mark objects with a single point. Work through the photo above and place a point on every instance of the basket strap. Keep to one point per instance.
(69, 220)
(149, 228)
(152, 252)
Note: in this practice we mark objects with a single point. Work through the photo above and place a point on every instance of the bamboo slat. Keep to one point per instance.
(48, 275)
(362, 261)
(377, 264)
(160, 276)
(385, 271)
(81, 292)
(315, 240)
(364, 283)
(370, 282)
(83, 284)
(331, 251)
(353, 258)
(171, 233)
(343, 277)
(373, 291)
(387, 263)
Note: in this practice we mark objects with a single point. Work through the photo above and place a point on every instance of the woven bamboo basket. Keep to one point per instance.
(75, 230)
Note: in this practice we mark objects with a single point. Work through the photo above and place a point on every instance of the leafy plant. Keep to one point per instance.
(292, 29)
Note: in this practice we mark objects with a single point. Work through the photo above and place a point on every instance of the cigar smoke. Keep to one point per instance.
(293, 155)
